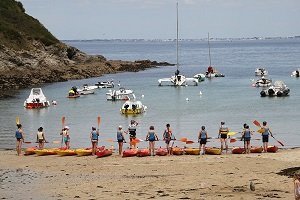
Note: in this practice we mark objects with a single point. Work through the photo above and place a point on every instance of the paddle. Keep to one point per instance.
(62, 124)
(277, 140)
(255, 122)
(17, 120)
(98, 121)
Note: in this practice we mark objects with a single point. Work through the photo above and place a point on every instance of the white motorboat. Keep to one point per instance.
(121, 94)
(263, 82)
(199, 77)
(261, 72)
(296, 73)
(133, 107)
(178, 79)
(85, 90)
(36, 99)
(278, 89)
(105, 84)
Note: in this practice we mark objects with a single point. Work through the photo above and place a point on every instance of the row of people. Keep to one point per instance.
(151, 137)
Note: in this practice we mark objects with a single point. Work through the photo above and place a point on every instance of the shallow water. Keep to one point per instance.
(230, 99)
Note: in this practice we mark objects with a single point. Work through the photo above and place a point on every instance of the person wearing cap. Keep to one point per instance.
(94, 139)
(66, 136)
(121, 139)
(132, 132)
(40, 138)
(20, 138)
(223, 131)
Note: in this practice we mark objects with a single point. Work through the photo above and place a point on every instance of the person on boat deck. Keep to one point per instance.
(210, 70)
(151, 137)
(71, 93)
(40, 138)
(132, 133)
(66, 136)
(202, 139)
(94, 139)
(265, 135)
(246, 135)
(121, 139)
(223, 131)
(167, 136)
(20, 138)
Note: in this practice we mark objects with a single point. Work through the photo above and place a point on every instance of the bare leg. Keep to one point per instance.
(226, 145)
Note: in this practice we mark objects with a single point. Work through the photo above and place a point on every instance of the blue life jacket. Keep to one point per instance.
(203, 134)
(18, 134)
(266, 133)
(247, 133)
(119, 136)
(94, 135)
(151, 136)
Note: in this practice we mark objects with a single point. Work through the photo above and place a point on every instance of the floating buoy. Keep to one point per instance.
(200, 93)
(143, 96)
(187, 99)
(119, 84)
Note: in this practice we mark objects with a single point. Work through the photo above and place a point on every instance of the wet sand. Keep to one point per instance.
(170, 177)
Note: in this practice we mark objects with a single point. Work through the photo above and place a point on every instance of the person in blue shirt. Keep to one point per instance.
(265, 136)
(94, 139)
(202, 139)
(246, 135)
(151, 137)
(121, 139)
(20, 138)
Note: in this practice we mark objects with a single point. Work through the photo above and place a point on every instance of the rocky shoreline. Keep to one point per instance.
(59, 62)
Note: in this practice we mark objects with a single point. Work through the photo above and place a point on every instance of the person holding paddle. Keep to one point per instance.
(40, 138)
(94, 139)
(66, 136)
(167, 136)
(202, 139)
(265, 136)
(223, 131)
(20, 138)
(151, 137)
(121, 139)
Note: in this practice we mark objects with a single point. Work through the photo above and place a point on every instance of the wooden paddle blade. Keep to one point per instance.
(27, 142)
(17, 120)
(63, 119)
(231, 133)
(256, 123)
(98, 121)
(184, 139)
(232, 140)
(189, 142)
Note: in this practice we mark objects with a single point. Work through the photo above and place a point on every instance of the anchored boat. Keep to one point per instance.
(278, 89)
(86, 90)
(105, 84)
(263, 82)
(133, 107)
(261, 72)
(296, 73)
(121, 94)
(36, 99)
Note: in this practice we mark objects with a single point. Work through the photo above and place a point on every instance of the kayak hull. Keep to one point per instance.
(162, 152)
(103, 153)
(143, 153)
(45, 152)
(238, 150)
(213, 151)
(30, 151)
(130, 152)
(83, 152)
(256, 150)
(272, 149)
(192, 151)
(177, 151)
(67, 152)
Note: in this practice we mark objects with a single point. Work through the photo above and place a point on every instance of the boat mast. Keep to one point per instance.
(209, 50)
(177, 63)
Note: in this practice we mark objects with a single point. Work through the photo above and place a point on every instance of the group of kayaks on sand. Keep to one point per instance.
(168, 137)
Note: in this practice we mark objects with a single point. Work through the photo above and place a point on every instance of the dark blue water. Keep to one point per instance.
(230, 99)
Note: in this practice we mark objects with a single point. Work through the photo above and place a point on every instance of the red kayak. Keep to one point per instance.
(272, 149)
(256, 149)
(30, 151)
(162, 152)
(143, 152)
(130, 152)
(177, 151)
(103, 153)
(238, 150)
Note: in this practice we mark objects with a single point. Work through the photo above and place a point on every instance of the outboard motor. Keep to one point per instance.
(263, 93)
(297, 73)
(271, 92)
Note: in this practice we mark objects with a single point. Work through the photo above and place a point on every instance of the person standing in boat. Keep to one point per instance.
(202, 139)
(20, 138)
(121, 139)
(246, 135)
(223, 131)
(132, 133)
(265, 136)
(66, 136)
(40, 138)
(94, 139)
(167, 136)
(151, 137)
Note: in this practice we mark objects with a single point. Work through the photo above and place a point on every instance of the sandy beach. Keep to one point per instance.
(170, 177)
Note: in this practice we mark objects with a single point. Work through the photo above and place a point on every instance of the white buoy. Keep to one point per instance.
(200, 93)
(187, 99)
(143, 96)
(119, 84)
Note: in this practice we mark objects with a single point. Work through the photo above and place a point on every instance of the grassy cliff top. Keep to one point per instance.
(18, 30)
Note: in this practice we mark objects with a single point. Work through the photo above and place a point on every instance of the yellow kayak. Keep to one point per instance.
(67, 152)
(192, 151)
(45, 152)
(83, 152)
(213, 151)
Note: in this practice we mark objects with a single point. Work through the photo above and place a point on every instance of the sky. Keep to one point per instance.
(156, 19)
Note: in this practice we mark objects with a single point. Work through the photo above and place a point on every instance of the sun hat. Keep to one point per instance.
(120, 126)
(67, 127)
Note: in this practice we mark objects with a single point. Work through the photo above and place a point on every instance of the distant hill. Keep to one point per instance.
(18, 30)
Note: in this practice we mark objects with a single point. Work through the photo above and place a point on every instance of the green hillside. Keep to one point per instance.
(18, 30)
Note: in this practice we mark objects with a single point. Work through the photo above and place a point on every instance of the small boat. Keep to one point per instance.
(143, 153)
(30, 151)
(105, 84)
(130, 152)
(256, 150)
(36, 99)
(73, 93)
(104, 153)
(83, 152)
(263, 82)
(200, 77)
(296, 73)
(278, 89)
(213, 151)
(261, 72)
(272, 149)
(133, 107)
(45, 152)
(162, 151)
(86, 90)
(238, 150)
(67, 152)
(192, 151)
(121, 94)
(177, 151)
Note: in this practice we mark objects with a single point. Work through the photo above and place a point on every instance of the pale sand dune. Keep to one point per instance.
(170, 177)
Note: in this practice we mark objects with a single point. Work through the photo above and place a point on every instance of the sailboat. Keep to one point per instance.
(178, 79)
(211, 72)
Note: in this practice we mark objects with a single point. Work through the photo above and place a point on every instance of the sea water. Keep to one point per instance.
(231, 99)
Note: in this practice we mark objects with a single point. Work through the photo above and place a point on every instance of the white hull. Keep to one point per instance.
(261, 72)
(263, 83)
(121, 94)
(279, 89)
(296, 73)
(133, 107)
(36, 99)
(179, 80)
